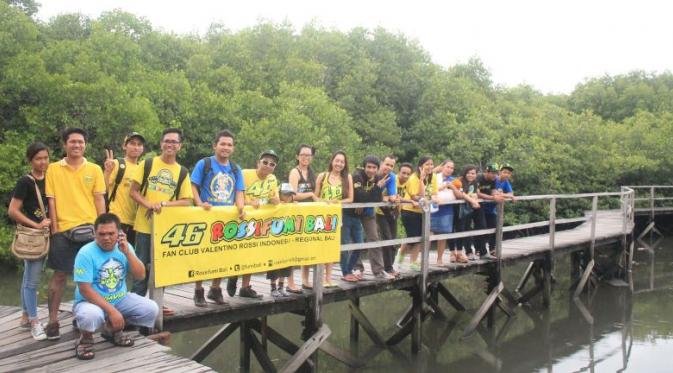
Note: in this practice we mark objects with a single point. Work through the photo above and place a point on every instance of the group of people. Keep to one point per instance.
(95, 213)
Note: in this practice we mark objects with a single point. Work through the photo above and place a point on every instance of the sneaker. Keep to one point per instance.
(283, 293)
(232, 282)
(52, 331)
(248, 292)
(199, 300)
(275, 293)
(473, 257)
(415, 267)
(37, 331)
(215, 294)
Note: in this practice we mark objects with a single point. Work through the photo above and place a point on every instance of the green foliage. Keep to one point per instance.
(364, 91)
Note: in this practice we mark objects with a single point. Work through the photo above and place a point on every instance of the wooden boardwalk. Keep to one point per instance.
(609, 230)
(20, 353)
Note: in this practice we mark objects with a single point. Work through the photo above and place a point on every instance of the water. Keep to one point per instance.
(630, 332)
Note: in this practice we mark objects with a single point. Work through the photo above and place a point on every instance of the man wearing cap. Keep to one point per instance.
(261, 188)
(217, 181)
(368, 187)
(503, 183)
(118, 175)
(488, 213)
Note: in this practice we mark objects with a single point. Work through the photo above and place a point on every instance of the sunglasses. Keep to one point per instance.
(269, 163)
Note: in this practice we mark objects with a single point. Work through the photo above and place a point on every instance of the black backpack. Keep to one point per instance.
(118, 180)
(146, 174)
(208, 166)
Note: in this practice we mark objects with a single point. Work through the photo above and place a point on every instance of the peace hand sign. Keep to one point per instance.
(109, 161)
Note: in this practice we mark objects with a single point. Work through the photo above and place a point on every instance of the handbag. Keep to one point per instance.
(80, 234)
(31, 243)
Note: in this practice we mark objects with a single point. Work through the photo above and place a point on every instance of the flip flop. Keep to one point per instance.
(168, 311)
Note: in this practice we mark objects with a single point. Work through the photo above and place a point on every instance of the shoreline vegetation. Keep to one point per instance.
(274, 86)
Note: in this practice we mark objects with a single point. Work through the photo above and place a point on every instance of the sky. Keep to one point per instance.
(550, 45)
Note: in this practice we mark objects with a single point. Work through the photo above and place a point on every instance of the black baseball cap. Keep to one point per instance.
(268, 153)
(132, 135)
(507, 166)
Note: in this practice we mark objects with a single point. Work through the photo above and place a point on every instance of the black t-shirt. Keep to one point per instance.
(306, 184)
(485, 186)
(25, 191)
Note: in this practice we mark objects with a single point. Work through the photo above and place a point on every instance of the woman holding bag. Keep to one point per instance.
(28, 209)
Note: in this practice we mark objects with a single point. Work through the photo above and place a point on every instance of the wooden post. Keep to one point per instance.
(423, 280)
(652, 216)
(500, 210)
(318, 275)
(594, 217)
(355, 326)
(552, 223)
(244, 360)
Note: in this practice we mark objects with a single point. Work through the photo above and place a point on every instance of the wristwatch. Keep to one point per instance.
(162, 203)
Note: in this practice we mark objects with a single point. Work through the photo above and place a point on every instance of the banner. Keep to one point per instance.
(193, 244)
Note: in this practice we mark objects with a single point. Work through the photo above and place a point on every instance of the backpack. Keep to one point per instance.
(118, 180)
(146, 173)
(208, 166)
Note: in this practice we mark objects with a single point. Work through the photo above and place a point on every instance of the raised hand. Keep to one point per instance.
(109, 164)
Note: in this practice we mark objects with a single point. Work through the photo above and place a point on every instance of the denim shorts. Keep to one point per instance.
(442, 223)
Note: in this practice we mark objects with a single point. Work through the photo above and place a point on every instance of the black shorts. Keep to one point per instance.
(413, 223)
(278, 273)
(62, 253)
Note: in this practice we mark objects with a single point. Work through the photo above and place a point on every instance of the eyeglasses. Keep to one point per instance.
(306, 155)
(269, 163)
(171, 142)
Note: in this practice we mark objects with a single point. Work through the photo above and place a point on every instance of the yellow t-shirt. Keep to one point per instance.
(161, 184)
(330, 192)
(412, 190)
(262, 190)
(123, 205)
(73, 191)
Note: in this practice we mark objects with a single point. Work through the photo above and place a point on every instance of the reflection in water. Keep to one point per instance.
(623, 331)
(619, 331)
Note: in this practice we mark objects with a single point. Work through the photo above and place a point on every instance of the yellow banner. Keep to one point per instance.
(192, 244)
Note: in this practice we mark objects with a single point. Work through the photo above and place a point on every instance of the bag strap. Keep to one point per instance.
(181, 179)
(146, 173)
(39, 196)
(120, 176)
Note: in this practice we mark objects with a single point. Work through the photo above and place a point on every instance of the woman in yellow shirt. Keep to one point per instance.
(336, 185)
(421, 185)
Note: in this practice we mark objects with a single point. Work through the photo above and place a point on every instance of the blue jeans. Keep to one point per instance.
(351, 232)
(142, 248)
(136, 310)
(32, 271)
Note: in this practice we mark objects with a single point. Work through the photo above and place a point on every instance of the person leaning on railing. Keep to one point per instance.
(422, 185)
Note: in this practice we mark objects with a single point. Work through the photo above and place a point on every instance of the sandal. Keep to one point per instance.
(119, 338)
(350, 278)
(293, 291)
(307, 286)
(84, 348)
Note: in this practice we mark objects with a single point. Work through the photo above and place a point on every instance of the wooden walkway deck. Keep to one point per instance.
(20, 353)
(609, 230)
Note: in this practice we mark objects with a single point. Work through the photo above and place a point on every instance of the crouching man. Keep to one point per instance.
(101, 298)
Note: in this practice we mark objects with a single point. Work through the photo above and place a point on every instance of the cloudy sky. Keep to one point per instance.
(551, 45)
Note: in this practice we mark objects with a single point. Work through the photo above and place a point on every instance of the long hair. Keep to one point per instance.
(467, 169)
(344, 173)
(420, 164)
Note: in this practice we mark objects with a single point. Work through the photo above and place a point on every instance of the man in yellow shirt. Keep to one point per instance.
(118, 175)
(261, 188)
(75, 189)
(158, 182)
